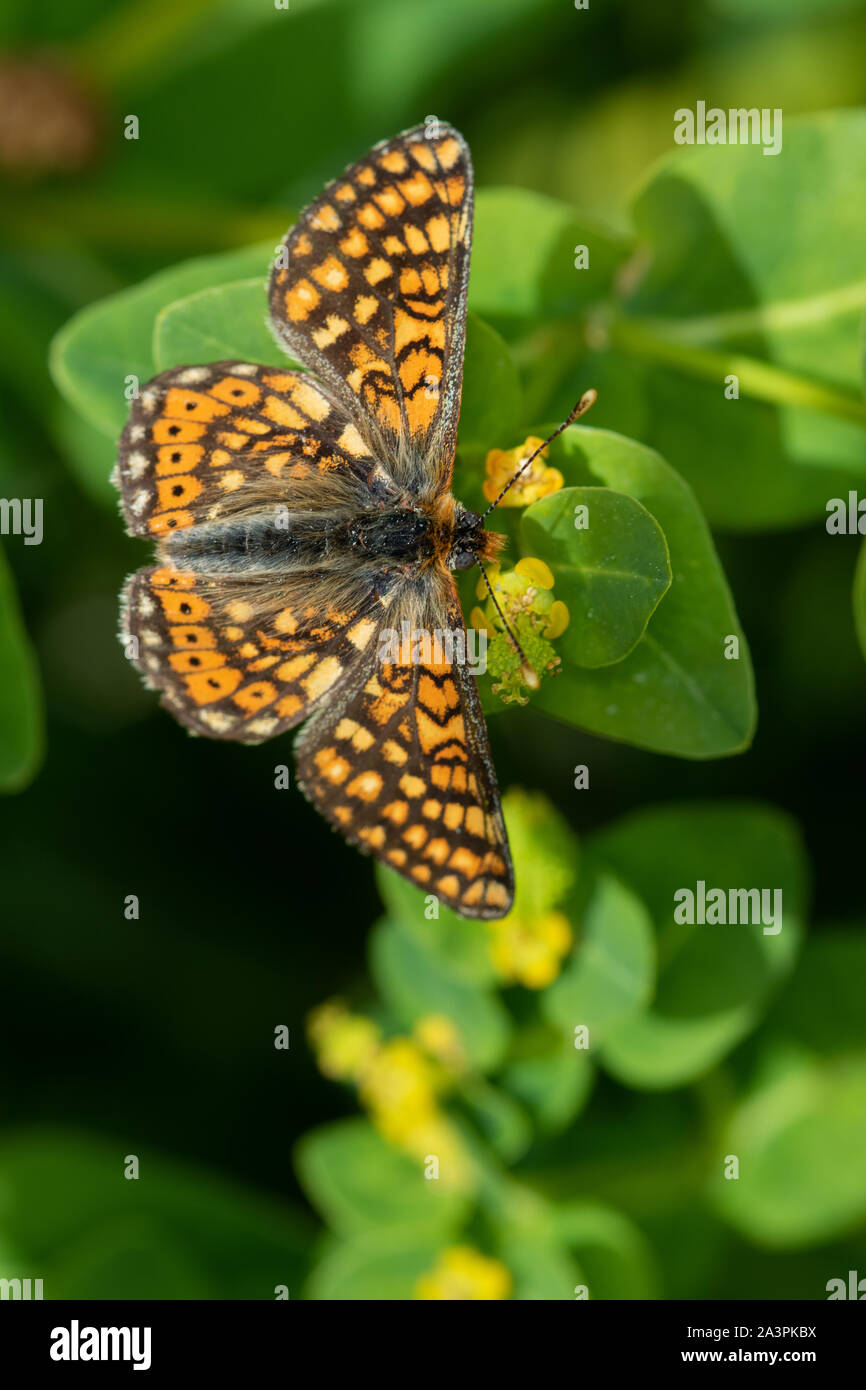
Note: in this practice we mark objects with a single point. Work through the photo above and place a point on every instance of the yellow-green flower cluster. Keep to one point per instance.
(400, 1081)
(525, 596)
(462, 1272)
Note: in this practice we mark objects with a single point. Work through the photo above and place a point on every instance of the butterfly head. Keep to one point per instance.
(470, 542)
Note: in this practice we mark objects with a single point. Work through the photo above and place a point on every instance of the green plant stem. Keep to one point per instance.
(759, 380)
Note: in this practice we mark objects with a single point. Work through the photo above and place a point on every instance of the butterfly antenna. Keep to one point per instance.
(529, 675)
(587, 399)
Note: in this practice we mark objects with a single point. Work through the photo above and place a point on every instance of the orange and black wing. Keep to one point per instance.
(202, 443)
(399, 763)
(370, 293)
(241, 661)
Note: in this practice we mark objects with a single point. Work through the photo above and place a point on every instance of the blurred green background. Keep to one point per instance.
(155, 1037)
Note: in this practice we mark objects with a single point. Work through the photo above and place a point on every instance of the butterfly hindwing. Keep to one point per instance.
(240, 661)
(372, 297)
(400, 764)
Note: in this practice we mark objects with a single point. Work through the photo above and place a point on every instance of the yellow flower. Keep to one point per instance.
(538, 480)
(344, 1043)
(399, 1089)
(530, 951)
(463, 1273)
(438, 1036)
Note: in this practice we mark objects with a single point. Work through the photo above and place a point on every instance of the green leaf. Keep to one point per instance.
(611, 972)
(362, 1185)
(223, 323)
(176, 1232)
(612, 574)
(523, 256)
(675, 692)
(415, 982)
(21, 724)
(552, 1078)
(492, 399)
(714, 981)
(101, 346)
(748, 277)
(801, 1143)
(821, 1009)
(614, 1255)
(860, 598)
(384, 1266)
(500, 1120)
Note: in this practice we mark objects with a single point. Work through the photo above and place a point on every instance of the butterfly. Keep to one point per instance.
(301, 515)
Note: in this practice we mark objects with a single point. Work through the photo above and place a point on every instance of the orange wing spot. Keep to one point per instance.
(397, 857)
(448, 152)
(394, 753)
(254, 426)
(465, 862)
(412, 786)
(448, 885)
(234, 441)
(372, 835)
(370, 217)
(414, 368)
(440, 776)
(345, 193)
(322, 677)
(439, 702)
(334, 328)
(183, 607)
(301, 300)
(416, 190)
(219, 458)
(421, 873)
(423, 155)
(389, 200)
(289, 706)
(176, 432)
(191, 636)
(234, 390)
(410, 280)
(495, 865)
(456, 188)
(212, 685)
(437, 850)
(430, 278)
(355, 244)
(394, 162)
(249, 650)
(396, 812)
(282, 413)
(169, 521)
(366, 177)
(394, 246)
(285, 621)
(474, 893)
(302, 246)
(361, 738)
(192, 405)
(432, 808)
(415, 837)
(344, 815)
(366, 786)
(408, 329)
(365, 307)
(240, 610)
(351, 443)
(475, 822)
(264, 663)
(378, 269)
(277, 462)
(458, 778)
(177, 491)
(186, 663)
(175, 579)
(325, 219)
(256, 696)
(292, 670)
(360, 634)
(233, 634)
(416, 240)
(453, 817)
(439, 233)
(331, 274)
(332, 765)
(497, 895)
